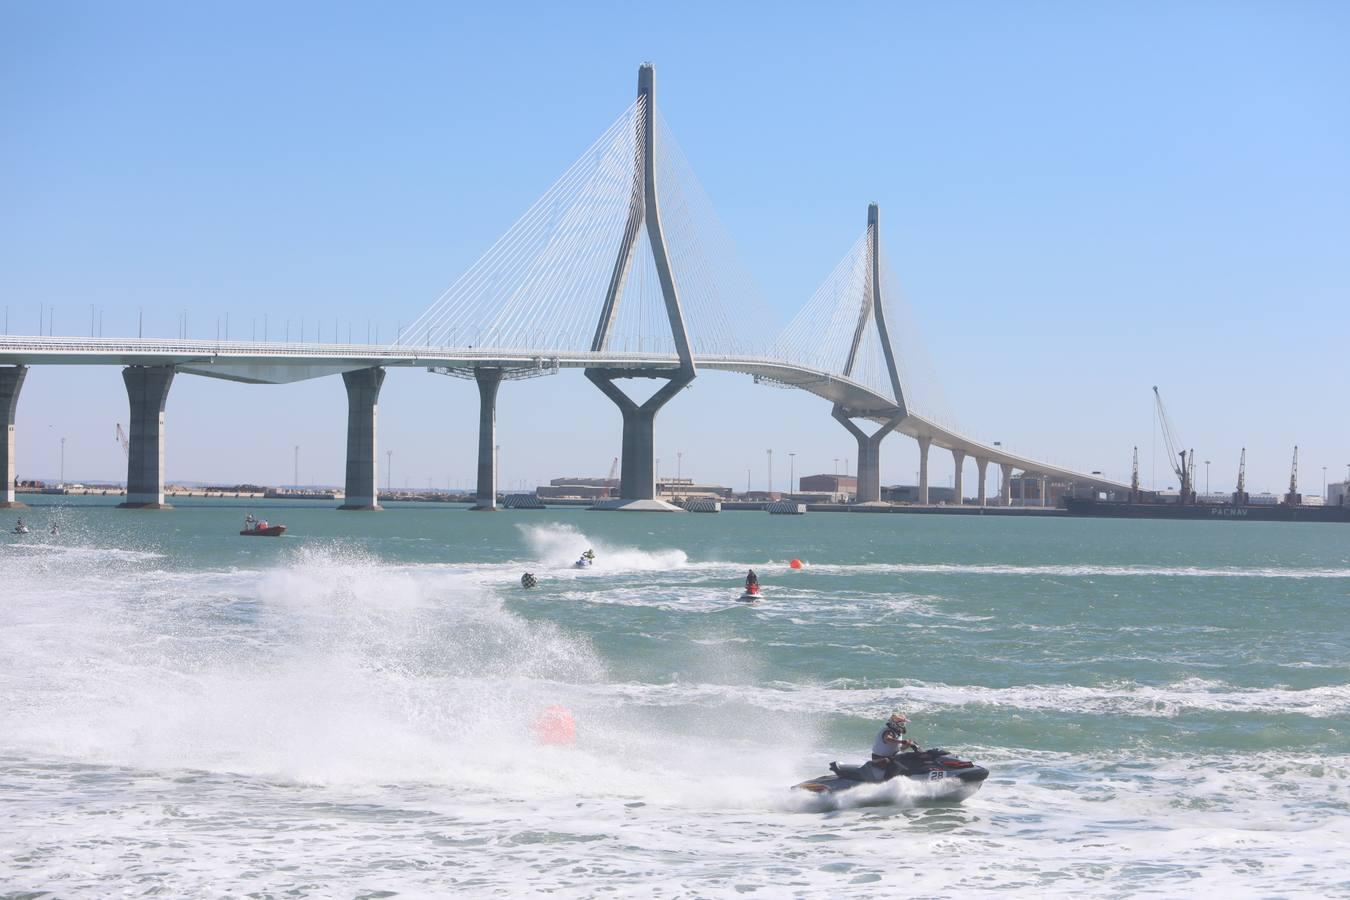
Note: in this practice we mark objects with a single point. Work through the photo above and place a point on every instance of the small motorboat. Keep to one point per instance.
(261, 528)
(264, 530)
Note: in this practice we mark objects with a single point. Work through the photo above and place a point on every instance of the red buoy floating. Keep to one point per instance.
(795, 564)
(555, 726)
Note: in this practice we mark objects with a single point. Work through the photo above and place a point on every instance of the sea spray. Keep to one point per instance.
(559, 545)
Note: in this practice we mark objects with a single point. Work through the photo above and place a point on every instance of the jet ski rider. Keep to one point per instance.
(751, 582)
(891, 742)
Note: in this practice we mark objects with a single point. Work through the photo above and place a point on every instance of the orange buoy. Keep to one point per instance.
(555, 726)
(795, 564)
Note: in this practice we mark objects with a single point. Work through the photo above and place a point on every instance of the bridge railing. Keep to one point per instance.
(395, 351)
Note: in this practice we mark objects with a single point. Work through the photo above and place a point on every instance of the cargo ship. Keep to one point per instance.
(1280, 512)
(1187, 504)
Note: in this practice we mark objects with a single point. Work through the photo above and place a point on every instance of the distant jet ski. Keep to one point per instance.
(21, 528)
(751, 594)
(944, 776)
(584, 561)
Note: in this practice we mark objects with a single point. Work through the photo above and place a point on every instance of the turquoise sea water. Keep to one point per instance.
(346, 711)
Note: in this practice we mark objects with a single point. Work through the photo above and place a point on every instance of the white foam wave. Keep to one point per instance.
(1079, 571)
(557, 546)
(1124, 698)
(334, 668)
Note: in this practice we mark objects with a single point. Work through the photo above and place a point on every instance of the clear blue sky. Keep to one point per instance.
(1081, 201)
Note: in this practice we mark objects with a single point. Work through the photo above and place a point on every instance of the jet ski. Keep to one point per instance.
(751, 595)
(936, 774)
(582, 563)
(21, 528)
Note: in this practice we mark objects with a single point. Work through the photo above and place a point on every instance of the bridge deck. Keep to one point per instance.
(282, 363)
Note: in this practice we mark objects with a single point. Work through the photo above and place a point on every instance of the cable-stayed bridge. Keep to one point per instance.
(621, 269)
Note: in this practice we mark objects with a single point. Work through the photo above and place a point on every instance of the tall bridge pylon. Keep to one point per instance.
(844, 329)
(872, 310)
(637, 479)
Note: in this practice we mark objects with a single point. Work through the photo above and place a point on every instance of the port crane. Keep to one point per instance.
(1134, 478)
(1183, 462)
(1240, 495)
(122, 441)
(613, 469)
(1294, 498)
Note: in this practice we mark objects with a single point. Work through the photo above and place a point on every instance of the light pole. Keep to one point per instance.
(1206, 476)
(836, 467)
(63, 462)
(296, 482)
(679, 464)
(792, 472)
(770, 454)
(389, 471)
(1324, 482)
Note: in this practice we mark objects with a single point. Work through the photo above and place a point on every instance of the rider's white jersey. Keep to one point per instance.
(880, 747)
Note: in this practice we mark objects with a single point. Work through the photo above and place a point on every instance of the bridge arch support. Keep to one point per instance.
(363, 466)
(11, 382)
(869, 454)
(147, 394)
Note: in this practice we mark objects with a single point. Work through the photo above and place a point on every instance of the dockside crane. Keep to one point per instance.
(1134, 478)
(1183, 463)
(613, 469)
(122, 441)
(1294, 498)
(1240, 497)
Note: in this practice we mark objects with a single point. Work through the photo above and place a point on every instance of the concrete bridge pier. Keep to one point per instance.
(489, 379)
(363, 468)
(869, 455)
(637, 472)
(11, 381)
(982, 465)
(924, 444)
(147, 392)
(959, 459)
(1005, 493)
